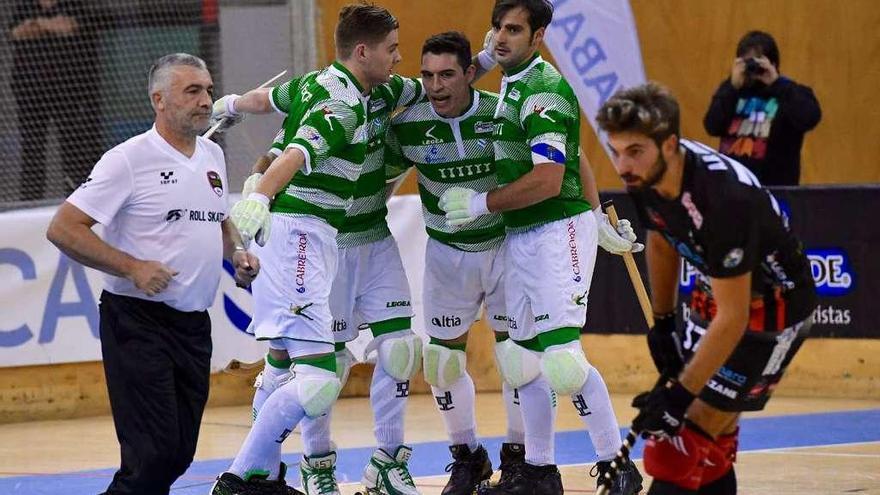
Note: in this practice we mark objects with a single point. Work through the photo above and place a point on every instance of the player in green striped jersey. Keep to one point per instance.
(447, 138)
(312, 182)
(371, 291)
(549, 251)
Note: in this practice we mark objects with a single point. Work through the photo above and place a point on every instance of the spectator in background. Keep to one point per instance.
(760, 116)
(56, 77)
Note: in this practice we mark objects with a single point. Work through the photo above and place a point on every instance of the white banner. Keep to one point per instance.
(48, 303)
(596, 48)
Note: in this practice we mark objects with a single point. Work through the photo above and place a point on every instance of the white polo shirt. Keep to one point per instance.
(157, 204)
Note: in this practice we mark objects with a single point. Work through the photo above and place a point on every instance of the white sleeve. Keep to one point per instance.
(106, 190)
(221, 164)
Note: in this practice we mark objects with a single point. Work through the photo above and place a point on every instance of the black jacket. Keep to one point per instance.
(763, 127)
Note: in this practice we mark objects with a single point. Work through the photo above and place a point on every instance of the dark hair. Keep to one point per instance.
(450, 42)
(761, 42)
(649, 109)
(159, 72)
(540, 12)
(362, 23)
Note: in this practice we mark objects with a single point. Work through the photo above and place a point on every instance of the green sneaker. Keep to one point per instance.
(319, 474)
(387, 475)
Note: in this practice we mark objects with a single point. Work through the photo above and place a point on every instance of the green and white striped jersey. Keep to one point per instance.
(538, 120)
(450, 152)
(365, 218)
(326, 120)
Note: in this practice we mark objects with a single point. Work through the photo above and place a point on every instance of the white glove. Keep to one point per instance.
(250, 184)
(462, 205)
(224, 110)
(486, 57)
(616, 241)
(251, 218)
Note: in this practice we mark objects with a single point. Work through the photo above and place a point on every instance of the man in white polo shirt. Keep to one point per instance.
(162, 197)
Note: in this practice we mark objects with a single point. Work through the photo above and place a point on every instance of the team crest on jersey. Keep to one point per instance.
(215, 182)
(484, 127)
(432, 155)
(733, 258)
(514, 94)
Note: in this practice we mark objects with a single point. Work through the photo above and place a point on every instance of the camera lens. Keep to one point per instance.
(753, 67)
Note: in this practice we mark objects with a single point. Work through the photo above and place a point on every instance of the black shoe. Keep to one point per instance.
(527, 480)
(513, 456)
(467, 470)
(627, 482)
(230, 484)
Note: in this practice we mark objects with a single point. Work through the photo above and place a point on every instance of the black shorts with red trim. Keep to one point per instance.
(747, 379)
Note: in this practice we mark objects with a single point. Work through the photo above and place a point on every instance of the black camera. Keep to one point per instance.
(753, 68)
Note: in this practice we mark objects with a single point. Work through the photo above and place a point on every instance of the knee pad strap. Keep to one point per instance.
(344, 361)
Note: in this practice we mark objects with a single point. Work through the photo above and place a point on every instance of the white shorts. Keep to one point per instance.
(292, 291)
(370, 287)
(456, 283)
(548, 271)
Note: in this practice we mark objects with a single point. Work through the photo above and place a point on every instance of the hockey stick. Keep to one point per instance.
(633, 271)
(608, 480)
(216, 126)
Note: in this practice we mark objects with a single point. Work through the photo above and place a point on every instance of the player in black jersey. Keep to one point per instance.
(750, 313)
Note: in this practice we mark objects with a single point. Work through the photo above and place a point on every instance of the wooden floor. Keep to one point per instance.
(47, 449)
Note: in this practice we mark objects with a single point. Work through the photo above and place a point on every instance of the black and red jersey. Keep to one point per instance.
(725, 224)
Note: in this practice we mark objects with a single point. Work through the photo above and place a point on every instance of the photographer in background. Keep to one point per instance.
(760, 116)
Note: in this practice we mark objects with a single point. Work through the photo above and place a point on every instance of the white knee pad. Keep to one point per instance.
(316, 388)
(517, 365)
(401, 356)
(565, 367)
(443, 366)
(344, 361)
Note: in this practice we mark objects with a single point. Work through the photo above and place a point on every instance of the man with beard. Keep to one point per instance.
(760, 116)
(750, 312)
(549, 252)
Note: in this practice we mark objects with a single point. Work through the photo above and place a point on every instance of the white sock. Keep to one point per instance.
(538, 406)
(388, 398)
(515, 430)
(271, 375)
(261, 450)
(316, 435)
(456, 405)
(594, 407)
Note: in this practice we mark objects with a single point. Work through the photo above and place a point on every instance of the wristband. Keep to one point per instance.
(486, 60)
(262, 198)
(479, 204)
(230, 104)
